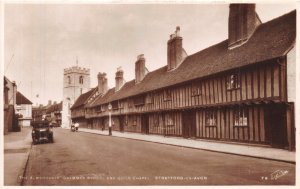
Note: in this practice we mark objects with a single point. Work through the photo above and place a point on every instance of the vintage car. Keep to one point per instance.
(41, 132)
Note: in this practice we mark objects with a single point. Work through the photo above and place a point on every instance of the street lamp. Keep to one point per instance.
(109, 123)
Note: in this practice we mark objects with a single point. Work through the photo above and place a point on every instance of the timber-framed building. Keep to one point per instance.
(239, 90)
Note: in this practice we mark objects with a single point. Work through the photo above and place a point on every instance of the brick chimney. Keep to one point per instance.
(243, 21)
(119, 79)
(140, 69)
(49, 102)
(176, 54)
(102, 83)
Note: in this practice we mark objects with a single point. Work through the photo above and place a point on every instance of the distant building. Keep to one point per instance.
(76, 81)
(9, 101)
(38, 112)
(53, 113)
(23, 108)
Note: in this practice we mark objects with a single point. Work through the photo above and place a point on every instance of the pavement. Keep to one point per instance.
(249, 150)
(16, 152)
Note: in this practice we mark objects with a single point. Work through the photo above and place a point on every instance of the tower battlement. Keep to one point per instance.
(77, 69)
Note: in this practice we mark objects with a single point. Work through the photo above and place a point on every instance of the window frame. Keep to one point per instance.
(167, 95)
(170, 119)
(233, 81)
(81, 79)
(139, 100)
(211, 118)
(239, 117)
(69, 80)
(198, 89)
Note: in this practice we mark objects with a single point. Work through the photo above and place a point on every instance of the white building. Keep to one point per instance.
(23, 107)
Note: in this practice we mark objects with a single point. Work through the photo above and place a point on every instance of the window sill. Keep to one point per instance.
(233, 89)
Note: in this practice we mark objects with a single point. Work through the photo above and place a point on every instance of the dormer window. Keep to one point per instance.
(81, 79)
(233, 81)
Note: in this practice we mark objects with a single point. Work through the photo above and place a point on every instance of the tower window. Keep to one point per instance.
(81, 79)
(69, 80)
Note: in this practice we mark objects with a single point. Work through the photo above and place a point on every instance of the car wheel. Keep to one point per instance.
(51, 139)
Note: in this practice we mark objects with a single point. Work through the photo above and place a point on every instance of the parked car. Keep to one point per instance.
(41, 132)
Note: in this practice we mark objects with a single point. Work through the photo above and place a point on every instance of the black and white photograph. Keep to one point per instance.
(150, 93)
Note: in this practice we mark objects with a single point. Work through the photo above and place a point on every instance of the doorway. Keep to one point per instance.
(189, 124)
(145, 123)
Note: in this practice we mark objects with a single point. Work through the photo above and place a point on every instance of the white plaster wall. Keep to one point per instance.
(291, 75)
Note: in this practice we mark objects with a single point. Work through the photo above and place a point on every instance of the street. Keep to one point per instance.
(77, 158)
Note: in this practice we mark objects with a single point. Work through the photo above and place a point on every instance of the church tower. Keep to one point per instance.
(76, 82)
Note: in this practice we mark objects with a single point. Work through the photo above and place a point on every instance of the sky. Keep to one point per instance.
(40, 40)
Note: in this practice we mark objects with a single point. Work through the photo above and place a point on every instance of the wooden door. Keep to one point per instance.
(276, 116)
(145, 123)
(189, 124)
(122, 123)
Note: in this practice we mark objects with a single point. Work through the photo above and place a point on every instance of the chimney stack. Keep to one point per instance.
(243, 21)
(102, 83)
(119, 79)
(140, 69)
(49, 102)
(176, 53)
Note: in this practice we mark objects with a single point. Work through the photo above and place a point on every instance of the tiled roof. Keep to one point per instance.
(104, 98)
(81, 100)
(55, 107)
(21, 99)
(270, 40)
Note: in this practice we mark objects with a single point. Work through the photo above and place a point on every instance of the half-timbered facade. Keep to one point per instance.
(238, 90)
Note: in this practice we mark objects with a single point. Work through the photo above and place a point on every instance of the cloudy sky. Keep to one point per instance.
(40, 40)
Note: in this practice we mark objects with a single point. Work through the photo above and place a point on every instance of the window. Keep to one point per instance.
(69, 80)
(241, 117)
(130, 103)
(139, 100)
(115, 105)
(211, 118)
(155, 120)
(167, 95)
(134, 120)
(196, 90)
(233, 81)
(169, 119)
(81, 79)
(126, 120)
(121, 104)
(150, 99)
(99, 109)
(80, 90)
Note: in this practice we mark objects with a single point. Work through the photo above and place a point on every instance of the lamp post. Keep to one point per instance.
(109, 122)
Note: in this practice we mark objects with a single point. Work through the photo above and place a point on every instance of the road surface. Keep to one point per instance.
(77, 158)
